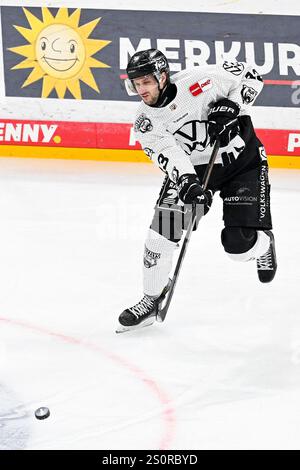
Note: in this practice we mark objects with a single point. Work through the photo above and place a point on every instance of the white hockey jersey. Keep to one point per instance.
(175, 137)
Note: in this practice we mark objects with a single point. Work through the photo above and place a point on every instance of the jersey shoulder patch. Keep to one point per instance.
(236, 68)
(143, 124)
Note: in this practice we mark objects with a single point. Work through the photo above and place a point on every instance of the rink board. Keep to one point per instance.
(35, 91)
(114, 142)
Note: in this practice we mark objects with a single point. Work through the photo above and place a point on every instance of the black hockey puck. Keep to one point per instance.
(42, 413)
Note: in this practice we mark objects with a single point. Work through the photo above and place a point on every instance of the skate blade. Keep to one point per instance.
(124, 329)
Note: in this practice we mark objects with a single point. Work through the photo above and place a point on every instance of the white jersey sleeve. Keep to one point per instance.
(161, 147)
(242, 83)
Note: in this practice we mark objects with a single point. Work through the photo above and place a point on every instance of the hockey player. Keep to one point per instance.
(177, 123)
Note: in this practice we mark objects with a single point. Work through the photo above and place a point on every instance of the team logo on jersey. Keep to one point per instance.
(192, 136)
(150, 258)
(236, 68)
(248, 94)
(143, 124)
(173, 106)
(201, 86)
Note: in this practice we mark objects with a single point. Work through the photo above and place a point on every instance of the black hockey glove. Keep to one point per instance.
(222, 122)
(190, 190)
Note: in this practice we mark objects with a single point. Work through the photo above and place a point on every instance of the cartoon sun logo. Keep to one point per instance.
(59, 52)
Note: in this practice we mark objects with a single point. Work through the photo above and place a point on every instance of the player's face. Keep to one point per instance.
(147, 88)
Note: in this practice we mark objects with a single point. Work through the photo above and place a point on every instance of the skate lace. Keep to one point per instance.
(264, 262)
(143, 306)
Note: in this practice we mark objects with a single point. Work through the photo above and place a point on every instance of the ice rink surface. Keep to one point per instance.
(222, 372)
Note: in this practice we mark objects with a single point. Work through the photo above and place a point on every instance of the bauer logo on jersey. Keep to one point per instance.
(150, 258)
(248, 94)
(143, 124)
(236, 68)
(201, 86)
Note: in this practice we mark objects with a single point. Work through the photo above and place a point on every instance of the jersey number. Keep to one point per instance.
(163, 162)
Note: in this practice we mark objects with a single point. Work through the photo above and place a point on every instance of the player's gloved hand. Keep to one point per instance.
(222, 121)
(191, 191)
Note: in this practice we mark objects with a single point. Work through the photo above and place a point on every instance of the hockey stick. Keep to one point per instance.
(162, 312)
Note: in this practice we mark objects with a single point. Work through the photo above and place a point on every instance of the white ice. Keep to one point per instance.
(223, 370)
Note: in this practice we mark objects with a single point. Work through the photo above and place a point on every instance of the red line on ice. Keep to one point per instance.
(168, 411)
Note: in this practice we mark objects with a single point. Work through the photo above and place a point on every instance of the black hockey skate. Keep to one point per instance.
(267, 264)
(144, 313)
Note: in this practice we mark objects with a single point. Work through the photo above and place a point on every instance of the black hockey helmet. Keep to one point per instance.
(142, 63)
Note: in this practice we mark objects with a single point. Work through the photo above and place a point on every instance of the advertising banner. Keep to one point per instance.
(115, 136)
(82, 53)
